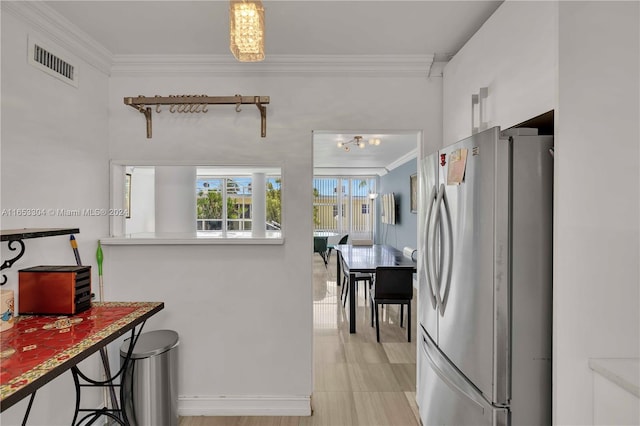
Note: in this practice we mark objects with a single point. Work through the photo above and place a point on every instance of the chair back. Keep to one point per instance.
(393, 282)
(344, 239)
(320, 244)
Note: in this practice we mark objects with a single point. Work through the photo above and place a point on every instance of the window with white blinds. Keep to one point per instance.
(344, 206)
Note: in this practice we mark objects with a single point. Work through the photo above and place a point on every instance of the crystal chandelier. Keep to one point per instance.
(357, 141)
(246, 30)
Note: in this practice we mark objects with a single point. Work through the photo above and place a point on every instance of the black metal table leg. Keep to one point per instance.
(26, 414)
(352, 302)
(116, 413)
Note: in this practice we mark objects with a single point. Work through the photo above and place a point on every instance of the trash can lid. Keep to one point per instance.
(151, 343)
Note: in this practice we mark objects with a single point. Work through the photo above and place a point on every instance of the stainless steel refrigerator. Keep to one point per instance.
(485, 280)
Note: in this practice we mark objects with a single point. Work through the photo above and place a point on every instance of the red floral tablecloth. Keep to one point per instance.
(37, 344)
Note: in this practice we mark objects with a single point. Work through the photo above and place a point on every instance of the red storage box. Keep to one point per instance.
(61, 290)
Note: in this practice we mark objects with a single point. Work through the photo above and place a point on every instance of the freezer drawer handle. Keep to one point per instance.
(452, 377)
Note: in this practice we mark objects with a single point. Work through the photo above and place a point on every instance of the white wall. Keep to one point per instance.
(143, 202)
(54, 156)
(244, 313)
(597, 300)
(514, 55)
(590, 52)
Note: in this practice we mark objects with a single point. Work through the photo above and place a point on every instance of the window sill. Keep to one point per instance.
(198, 238)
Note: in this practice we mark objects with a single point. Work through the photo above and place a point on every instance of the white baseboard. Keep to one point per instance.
(258, 405)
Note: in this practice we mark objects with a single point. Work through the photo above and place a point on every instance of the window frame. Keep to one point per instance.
(343, 203)
(117, 224)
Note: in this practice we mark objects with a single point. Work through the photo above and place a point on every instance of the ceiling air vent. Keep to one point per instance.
(53, 64)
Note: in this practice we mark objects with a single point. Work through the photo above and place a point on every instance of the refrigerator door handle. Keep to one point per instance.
(445, 283)
(450, 375)
(425, 257)
(437, 227)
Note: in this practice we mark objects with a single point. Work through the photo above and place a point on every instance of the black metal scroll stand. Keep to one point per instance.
(117, 414)
(17, 235)
(9, 263)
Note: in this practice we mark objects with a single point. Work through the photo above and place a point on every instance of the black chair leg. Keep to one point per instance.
(409, 321)
(371, 309)
(345, 289)
(401, 314)
(377, 323)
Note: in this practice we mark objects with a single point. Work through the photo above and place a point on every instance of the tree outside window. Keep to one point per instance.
(236, 201)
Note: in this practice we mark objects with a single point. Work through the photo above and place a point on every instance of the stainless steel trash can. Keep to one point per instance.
(150, 382)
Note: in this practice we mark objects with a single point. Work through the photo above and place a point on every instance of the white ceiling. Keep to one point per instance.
(393, 148)
(293, 27)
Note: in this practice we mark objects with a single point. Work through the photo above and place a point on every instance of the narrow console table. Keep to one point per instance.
(40, 348)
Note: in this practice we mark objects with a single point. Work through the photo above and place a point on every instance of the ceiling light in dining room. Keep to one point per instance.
(357, 141)
(246, 30)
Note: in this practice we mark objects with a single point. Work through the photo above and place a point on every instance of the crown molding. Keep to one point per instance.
(349, 171)
(402, 160)
(67, 35)
(437, 69)
(61, 31)
(361, 65)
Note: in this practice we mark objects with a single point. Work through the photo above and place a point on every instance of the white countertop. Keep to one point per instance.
(194, 238)
(624, 372)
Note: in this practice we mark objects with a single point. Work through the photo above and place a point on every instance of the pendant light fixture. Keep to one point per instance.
(246, 30)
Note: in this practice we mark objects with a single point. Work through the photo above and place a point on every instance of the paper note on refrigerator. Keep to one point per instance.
(457, 166)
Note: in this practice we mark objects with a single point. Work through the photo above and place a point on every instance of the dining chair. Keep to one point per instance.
(360, 277)
(320, 247)
(392, 286)
(330, 247)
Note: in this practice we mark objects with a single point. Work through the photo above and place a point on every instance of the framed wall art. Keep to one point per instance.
(413, 188)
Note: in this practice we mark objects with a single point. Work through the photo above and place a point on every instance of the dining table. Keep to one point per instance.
(366, 259)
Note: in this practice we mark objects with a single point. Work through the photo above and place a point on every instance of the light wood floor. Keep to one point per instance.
(357, 380)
